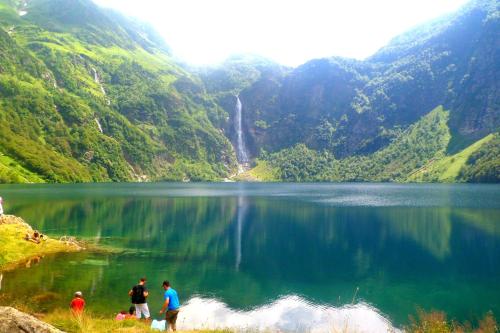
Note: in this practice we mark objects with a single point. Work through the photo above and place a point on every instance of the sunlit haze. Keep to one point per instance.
(289, 32)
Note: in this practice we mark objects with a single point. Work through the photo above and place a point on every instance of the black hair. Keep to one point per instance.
(143, 279)
(166, 283)
(131, 310)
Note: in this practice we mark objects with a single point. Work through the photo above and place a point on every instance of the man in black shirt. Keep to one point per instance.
(138, 295)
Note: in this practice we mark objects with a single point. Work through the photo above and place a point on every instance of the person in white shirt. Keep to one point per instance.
(1, 207)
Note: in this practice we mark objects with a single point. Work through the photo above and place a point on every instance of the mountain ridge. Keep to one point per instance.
(99, 97)
(398, 93)
(116, 134)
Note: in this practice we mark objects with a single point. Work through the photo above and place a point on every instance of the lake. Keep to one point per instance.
(294, 257)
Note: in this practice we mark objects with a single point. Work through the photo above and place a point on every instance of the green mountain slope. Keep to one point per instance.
(352, 108)
(13, 172)
(87, 94)
(424, 141)
(483, 165)
(240, 74)
(458, 167)
(84, 97)
(417, 155)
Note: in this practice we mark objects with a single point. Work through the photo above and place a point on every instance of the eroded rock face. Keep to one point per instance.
(14, 321)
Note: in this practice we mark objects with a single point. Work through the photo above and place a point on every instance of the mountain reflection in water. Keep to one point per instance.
(435, 246)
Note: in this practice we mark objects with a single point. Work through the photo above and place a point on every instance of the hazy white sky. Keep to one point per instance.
(288, 31)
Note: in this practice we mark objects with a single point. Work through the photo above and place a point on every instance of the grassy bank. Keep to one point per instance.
(423, 322)
(437, 322)
(15, 250)
(89, 323)
(261, 172)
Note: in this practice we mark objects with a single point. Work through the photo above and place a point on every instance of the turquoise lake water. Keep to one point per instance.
(245, 248)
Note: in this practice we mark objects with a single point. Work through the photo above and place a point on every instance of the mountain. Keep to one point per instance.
(351, 108)
(480, 162)
(356, 107)
(252, 76)
(418, 154)
(87, 94)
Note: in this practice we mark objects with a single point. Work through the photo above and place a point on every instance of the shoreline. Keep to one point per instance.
(15, 251)
(62, 320)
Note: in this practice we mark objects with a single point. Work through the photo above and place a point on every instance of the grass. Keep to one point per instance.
(262, 172)
(90, 323)
(13, 172)
(14, 250)
(448, 168)
(424, 322)
(437, 322)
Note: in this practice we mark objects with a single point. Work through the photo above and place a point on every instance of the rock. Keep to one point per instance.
(11, 219)
(14, 321)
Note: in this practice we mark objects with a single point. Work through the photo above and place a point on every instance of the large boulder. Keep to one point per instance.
(14, 321)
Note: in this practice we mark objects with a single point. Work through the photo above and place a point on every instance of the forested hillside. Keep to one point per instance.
(351, 107)
(353, 110)
(417, 154)
(87, 94)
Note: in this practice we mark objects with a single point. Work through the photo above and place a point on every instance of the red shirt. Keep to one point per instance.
(77, 304)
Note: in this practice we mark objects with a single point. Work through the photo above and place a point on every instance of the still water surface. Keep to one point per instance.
(279, 254)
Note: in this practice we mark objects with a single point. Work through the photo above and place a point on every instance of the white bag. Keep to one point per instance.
(159, 325)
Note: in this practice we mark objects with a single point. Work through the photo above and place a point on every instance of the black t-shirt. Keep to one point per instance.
(138, 294)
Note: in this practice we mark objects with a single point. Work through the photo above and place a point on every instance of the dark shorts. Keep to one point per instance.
(171, 316)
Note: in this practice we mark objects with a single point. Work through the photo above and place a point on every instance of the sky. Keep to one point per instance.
(291, 32)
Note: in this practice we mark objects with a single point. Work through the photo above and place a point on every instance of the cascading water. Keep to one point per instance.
(98, 125)
(97, 80)
(241, 150)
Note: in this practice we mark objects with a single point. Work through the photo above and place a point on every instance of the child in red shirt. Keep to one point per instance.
(78, 303)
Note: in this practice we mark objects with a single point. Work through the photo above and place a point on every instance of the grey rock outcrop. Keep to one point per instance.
(15, 321)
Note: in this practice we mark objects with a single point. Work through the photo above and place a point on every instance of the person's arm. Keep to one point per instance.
(145, 292)
(130, 292)
(165, 305)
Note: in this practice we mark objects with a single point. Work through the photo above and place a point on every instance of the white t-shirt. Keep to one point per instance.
(1, 209)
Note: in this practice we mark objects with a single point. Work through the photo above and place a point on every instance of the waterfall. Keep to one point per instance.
(98, 125)
(22, 10)
(241, 150)
(97, 80)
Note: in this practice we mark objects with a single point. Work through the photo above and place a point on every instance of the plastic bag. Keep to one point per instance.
(159, 325)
